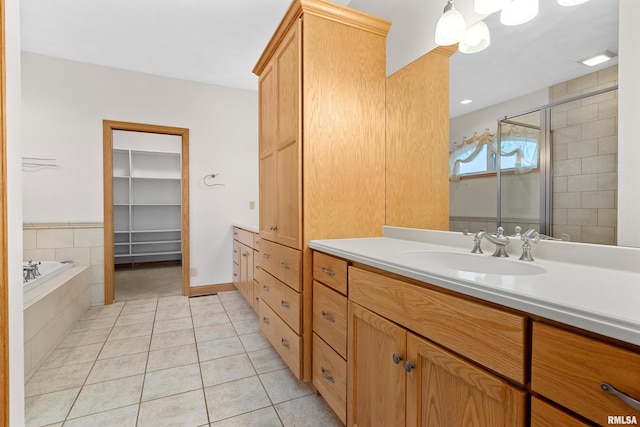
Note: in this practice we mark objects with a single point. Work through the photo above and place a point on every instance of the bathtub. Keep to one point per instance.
(48, 270)
(53, 302)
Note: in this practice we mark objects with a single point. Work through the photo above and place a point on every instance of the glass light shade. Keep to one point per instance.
(571, 2)
(476, 38)
(450, 28)
(518, 12)
(487, 7)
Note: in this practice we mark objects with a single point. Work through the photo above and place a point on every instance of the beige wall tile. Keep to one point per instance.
(575, 231)
(608, 145)
(560, 151)
(582, 114)
(29, 239)
(608, 181)
(567, 134)
(607, 217)
(582, 182)
(600, 128)
(567, 200)
(560, 184)
(599, 164)
(584, 148)
(97, 255)
(567, 167)
(52, 238)
(97, 294)
(582, 83)
(601, 235)
(603, 97)
(558, 119)
(598, 199)
(559, 217)
(557, 91)
(88, 237)
(39, 254)
(608, 76)
(582, 216)
(608, 109)
(79, 256)
(97, 274)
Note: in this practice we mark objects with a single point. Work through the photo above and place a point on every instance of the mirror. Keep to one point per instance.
(527, 67)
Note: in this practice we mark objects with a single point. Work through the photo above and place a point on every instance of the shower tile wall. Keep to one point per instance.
(585, 150)
(82, 243)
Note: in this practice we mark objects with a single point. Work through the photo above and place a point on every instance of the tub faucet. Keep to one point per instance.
(498, 239)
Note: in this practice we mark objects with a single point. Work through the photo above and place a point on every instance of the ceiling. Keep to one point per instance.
(219, 41)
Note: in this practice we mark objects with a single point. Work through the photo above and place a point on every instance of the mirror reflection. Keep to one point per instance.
(556, 170)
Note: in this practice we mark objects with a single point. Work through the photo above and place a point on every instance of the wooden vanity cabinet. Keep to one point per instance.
(243, 263)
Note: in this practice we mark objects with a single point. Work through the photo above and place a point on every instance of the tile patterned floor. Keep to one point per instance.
(170, 361)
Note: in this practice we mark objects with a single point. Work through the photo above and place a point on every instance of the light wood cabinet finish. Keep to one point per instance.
(569, 368)
(491, 337)
(243, 236)
(243, 263)
(377, 385)
(283, 300)
(545, 415)
(281, 262)
(330, 377)
(286, 342)
(330, 317)
(323, 74)
(331, 271)
(446, 390)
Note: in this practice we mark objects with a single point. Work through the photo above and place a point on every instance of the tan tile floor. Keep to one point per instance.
(170, 361)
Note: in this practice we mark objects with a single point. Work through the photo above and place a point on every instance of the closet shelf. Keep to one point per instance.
(148, 254)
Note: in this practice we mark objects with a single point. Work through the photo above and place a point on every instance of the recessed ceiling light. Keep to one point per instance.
(598, 58)
(466, 101)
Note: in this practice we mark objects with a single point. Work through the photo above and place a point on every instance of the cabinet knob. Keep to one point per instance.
(397, 358)
(327, 376)
(284, 343)
(284, 303)
(273, 228)
(266, 256)
(265, 320)
(609, 389)
(265, 288)
(284, 265)
(408, 366)
(326, 316)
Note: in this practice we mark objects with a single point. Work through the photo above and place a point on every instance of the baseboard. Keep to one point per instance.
(197, 291)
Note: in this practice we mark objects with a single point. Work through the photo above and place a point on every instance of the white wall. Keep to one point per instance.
(628, 129)
(14, 212)
(64, 103)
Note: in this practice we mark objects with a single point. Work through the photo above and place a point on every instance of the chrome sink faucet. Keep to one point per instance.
(499, 239)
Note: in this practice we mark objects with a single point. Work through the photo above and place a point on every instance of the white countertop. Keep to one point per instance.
(593, 287)
(249, 226)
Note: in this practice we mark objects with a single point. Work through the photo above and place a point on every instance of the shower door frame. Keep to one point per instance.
(109, 265)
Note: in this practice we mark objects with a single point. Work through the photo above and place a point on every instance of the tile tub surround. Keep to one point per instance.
(171, 361)
(50, 310)
(82, 243)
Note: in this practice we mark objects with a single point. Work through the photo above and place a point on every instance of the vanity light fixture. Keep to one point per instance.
(598, 58)
(571, 2)
(476, 38)
(518, 12)
(450, 26)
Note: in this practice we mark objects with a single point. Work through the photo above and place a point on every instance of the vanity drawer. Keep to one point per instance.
(569, 368)
(489, 336)
(330, 317)
(546, 415)
(286, 342)
(256, 241)
(243, 236)
(256, 295)
(282, 299)
(331, 271)
(329, 377)
(282, 262)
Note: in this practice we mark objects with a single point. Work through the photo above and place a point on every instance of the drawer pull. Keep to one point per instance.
(257, 267)
(235, 274)
(284, 304)
(267, 256)
(397, 358)
(329, 272)
(326, 376)
(265, 288)
(609, 389)
(326, 316)
(284, 265)
(273, 228)
(265, 320)
(245, 253)
(235, 251)
(284, 343)
(408, 366)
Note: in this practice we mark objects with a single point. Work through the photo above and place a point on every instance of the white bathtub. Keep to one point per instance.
(48, 270)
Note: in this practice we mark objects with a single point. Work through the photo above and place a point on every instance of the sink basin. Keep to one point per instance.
(472, 263)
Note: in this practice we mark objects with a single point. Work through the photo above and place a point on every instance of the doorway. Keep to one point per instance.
(144, 226)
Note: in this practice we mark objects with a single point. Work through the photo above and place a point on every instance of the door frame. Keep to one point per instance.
(108, 126)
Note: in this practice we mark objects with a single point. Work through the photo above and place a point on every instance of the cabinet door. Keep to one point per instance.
(268, 196)
(268, 115)
(288, 143)
(377, 384)
(246, 273)
(446, 390)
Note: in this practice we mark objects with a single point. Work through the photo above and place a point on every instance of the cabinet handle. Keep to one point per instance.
(245, 254)
(408, 366)
(284, 303)
(257, 299)
(273, 228)
(284, 265)
(265, 288)
(609, 389)
(265, 320)
(284, 343)
(329, 272)
(235, 274)
(326, 376)
(267, 256)
(257, 267)
(326, 316)
(397, 358)
(235, 251)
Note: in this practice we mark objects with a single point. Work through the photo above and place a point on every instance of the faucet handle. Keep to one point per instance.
(517, 231)
(500, 232)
